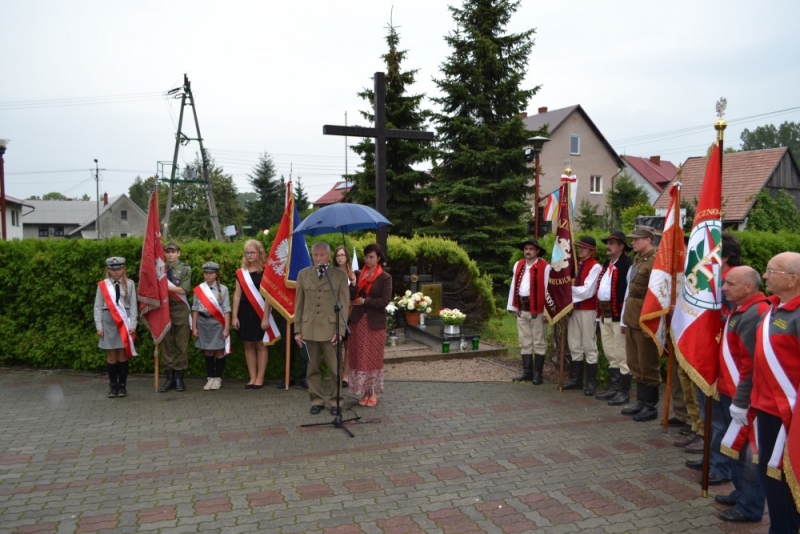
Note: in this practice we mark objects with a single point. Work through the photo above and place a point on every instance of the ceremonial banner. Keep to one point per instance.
(289, 255)
(669, 260)
(153, 294)
(558, 297)
(697, 321)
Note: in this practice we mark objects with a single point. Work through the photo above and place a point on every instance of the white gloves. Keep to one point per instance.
(739, 414)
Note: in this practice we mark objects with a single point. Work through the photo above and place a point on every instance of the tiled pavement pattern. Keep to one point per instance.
(435, 457)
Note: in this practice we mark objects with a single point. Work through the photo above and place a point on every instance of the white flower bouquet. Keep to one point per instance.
(414, 302)
(452, 317)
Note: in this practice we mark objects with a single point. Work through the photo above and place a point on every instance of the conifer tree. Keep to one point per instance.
(267, 209)
(404, 185)
(481, 189)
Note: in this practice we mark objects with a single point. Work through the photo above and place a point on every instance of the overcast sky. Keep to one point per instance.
(86, 79)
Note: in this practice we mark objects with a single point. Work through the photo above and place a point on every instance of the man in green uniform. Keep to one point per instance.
(176, 342)
(640, 351)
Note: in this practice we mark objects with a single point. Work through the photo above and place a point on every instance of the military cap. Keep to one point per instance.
(172, 244)
(644, 231)
(115, 262)
(211, 266)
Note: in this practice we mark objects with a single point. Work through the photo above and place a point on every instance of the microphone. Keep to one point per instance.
(320, 265)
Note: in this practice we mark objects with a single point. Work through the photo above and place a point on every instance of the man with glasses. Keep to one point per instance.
(776, 376)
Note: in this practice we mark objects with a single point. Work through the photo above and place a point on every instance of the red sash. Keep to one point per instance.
(203, 292)
(271, 334)
(120, 317)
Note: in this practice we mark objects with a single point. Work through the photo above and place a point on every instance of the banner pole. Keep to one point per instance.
(561, 359)
(288, 355)
(155, 374)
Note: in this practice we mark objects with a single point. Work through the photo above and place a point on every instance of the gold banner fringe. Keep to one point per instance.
(727, 451)
(774, 472)
(791, 478)
(648, 317)
(691, 372)
(560, 315)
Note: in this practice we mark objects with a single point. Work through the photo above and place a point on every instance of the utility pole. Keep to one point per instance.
(181, 138)
(97, 179)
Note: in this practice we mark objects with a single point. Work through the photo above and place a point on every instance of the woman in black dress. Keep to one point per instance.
(251, 312)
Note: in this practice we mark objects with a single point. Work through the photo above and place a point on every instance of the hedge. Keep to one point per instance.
(48, 288)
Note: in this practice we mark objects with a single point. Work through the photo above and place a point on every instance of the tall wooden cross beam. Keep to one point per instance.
(381, 133)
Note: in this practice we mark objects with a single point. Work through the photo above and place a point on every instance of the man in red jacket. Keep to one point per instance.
(776, 376)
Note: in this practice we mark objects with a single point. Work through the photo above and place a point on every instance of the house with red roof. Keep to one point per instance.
(653, 174)
(574, 136)
(744, 175)
(335, 195)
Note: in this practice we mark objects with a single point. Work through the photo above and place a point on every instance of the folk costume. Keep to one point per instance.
(611, 289)
(776, 376)
(175, 346)
(368, 331)
(581, 326)
(211, 308)
(526, 299)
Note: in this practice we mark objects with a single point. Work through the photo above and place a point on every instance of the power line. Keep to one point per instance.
(80, 101)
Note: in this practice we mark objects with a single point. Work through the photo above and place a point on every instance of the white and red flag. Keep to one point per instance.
(153, 294)
(669, 261)
(697, 321)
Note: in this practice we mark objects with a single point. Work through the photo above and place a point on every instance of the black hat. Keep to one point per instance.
(532, 241)
(587, 241)
(618, 236)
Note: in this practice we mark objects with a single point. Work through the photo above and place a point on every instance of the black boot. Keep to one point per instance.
(613, 385)
(650, 410)
(122, 377)
(622, 396)
(591, 379)
(179, 383)
(527, 369)
(113, 388)
(641, 395)
(538, 366)
(575, 375)
(170, 383)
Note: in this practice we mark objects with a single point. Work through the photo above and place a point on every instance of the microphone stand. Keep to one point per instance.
(337, 422)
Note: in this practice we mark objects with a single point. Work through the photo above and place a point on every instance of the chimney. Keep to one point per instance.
(656, 160)
(523, 115)
(543, 109)
(105, 199)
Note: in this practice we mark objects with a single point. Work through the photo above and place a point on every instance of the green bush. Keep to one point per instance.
(48, 289)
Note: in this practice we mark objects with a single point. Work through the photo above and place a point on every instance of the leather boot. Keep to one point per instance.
(113, 390)
(575, 375)
(613, 385)
(122, 374)
(622, 396)
(538, 366)
(170, 383)
(650, 410)
(591, 379)
(179, 383)
(527, 369)
(641, 395)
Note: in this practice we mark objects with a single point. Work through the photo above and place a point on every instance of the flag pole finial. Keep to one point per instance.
(720, 123)
(568, 165)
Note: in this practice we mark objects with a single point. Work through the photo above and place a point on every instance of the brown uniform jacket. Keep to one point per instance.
(374, 306)
(314, 313)
(639, 277)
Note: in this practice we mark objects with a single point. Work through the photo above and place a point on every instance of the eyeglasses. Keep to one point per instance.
(773, 271)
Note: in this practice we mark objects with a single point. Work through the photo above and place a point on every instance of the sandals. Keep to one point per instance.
(372, 401)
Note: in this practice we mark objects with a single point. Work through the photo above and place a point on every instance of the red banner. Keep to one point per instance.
(558, 300)
(153, 293)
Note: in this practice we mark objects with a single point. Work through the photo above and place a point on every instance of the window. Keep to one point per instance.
(59, 231)
(14, 218)
(575, 145)
(123, 215)
(123, 235)
(43, 231)
(596, 185)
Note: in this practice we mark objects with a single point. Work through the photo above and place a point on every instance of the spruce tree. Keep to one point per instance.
(404, 185)
(300, 196)
(481, 189)
(267, 209)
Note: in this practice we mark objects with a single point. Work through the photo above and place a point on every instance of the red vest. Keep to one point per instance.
(591, 302)
(537, 284)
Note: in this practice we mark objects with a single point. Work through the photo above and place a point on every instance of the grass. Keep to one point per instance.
(502, 329)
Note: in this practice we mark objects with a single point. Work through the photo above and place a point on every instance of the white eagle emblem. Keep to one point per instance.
(280, 258)
(160, 271)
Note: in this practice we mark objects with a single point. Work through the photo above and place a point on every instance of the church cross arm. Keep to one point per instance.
(361, 131)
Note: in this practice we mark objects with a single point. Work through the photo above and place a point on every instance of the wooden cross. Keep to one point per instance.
(381, 133)
(415, 279)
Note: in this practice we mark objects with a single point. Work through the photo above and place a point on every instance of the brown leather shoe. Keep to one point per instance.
(684, 441)
(696, 446)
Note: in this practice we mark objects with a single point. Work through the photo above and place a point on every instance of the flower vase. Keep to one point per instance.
(412, 318)
(452, 329)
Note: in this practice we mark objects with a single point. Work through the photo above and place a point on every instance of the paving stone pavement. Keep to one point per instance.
(431, 457)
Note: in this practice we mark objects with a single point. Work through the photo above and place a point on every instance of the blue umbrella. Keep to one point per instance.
(343, 218)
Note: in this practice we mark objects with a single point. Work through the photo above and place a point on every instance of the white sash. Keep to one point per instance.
(126, 322)
(271, 334)
(213, 301)
(185, 300)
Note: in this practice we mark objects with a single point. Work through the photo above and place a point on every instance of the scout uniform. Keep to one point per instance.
(211, 308)
(176, 341)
